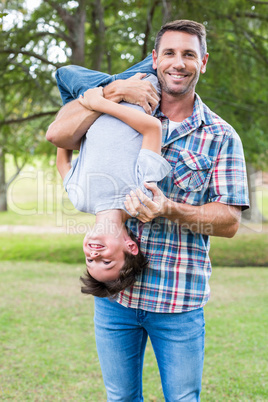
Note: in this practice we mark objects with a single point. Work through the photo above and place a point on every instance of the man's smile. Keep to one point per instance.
(178, 76)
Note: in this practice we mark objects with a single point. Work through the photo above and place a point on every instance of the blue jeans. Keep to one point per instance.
(178, 343)
(73, 81)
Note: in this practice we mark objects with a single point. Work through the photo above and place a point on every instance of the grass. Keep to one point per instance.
(242, 250)
(47, 339)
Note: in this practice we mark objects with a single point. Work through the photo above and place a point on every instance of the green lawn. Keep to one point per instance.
(242, 250)
(47, 338)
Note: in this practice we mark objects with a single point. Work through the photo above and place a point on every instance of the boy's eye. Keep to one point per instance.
(107, 262)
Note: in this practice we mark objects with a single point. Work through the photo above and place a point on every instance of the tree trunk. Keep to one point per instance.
(148, 28)
(78, 32)
(167, 11)
(253, 214)
(98, 28)
(3, 187)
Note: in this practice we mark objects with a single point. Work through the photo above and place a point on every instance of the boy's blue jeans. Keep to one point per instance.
(178, 343)
(73, 81)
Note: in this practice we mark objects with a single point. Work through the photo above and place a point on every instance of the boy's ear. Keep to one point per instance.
(132, 247)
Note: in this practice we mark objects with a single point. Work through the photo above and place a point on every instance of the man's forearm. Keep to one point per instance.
(71, 123)
(213, 219)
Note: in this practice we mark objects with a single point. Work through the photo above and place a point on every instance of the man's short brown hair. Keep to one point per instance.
(188, 26)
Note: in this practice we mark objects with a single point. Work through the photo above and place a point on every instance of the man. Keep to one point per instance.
(203, 196)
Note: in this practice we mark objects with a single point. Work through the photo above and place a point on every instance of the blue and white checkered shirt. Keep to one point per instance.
(208, 165)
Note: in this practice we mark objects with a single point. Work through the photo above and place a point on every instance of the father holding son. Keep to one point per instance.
(203, 195)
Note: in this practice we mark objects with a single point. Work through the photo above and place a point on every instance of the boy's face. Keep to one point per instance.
(104, 255)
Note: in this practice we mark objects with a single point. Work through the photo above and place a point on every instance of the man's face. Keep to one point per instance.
(179, 63)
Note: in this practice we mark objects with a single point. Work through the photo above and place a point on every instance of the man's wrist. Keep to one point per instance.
(168, 209)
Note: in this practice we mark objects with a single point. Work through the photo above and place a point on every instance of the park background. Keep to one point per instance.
(47, 350)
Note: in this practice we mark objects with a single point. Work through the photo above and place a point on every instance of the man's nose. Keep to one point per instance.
(178, 61)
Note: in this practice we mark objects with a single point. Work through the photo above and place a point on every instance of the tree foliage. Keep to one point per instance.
(110, 36)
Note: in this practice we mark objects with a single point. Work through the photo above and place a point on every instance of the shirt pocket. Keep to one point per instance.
(191, 171)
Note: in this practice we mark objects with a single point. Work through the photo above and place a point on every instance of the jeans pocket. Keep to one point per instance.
(191, 171)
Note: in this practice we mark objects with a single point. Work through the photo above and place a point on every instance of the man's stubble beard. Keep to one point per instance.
(180, 92)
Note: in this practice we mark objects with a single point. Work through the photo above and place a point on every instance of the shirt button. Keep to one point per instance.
(143, 238)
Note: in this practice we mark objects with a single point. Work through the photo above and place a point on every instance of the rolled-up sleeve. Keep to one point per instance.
(228, 183)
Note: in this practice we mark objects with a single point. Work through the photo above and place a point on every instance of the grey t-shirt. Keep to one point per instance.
(110, 164)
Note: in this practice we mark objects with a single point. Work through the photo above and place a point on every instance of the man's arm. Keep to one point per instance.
(73, 119)
(71, 123)
(213, 219)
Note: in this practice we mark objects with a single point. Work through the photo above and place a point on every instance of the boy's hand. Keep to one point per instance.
(92, 98)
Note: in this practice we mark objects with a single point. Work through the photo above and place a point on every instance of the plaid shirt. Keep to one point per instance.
(208, 165)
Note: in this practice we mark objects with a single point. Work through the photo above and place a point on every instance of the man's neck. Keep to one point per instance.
(177, 108)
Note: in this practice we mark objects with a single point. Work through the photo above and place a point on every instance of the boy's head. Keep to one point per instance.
(113, 262)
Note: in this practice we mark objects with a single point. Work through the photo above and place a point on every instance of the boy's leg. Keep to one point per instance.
(73, 80)
(144, 66)
(178, 342)
(121, 345)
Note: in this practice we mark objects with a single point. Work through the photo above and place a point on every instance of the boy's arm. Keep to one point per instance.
(148, 126)
(73, 120)
(64, 159)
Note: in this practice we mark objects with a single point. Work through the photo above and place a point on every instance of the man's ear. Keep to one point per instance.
(132, 247)
(154, 59)
(204, 63)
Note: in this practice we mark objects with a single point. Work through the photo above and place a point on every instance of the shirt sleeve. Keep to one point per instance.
(151, 167)
(67, 178)
(228, 184)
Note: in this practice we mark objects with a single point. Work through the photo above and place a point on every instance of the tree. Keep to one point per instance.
(111, 36)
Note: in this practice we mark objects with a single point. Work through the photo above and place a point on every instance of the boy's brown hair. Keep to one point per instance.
(127, 276)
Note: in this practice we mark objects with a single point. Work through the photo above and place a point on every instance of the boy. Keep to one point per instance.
(114, 159)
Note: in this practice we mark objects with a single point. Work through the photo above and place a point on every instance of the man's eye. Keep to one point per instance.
(88, 260)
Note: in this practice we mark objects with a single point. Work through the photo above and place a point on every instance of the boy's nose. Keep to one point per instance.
(94, 254)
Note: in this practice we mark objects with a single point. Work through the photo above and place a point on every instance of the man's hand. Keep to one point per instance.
(151, 208)
(133, 90)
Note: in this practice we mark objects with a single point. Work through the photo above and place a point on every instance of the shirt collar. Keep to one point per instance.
(201, 115)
